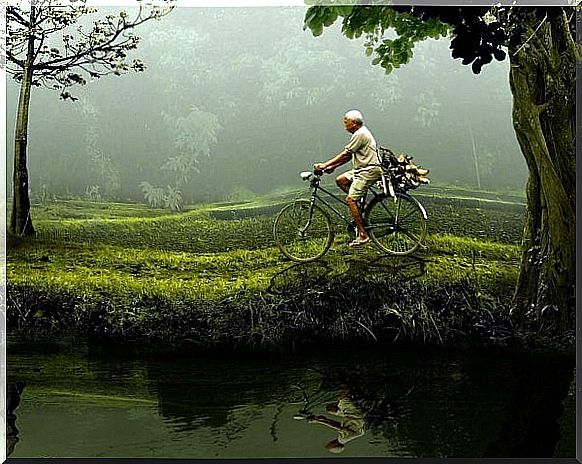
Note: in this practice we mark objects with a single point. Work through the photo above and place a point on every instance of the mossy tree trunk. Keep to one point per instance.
(542, 79)
(20, 220)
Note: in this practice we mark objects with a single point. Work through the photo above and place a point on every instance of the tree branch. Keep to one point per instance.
(41, 43)
(531, 36)
(99, 52)
(542, 107)
(12, 11)
(13, 72)
(17, 49)
(108, 46)
(15, 60)
(570, 43)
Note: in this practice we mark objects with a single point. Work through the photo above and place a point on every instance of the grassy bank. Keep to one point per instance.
(211, 275)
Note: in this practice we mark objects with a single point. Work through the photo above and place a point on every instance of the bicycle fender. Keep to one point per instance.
(424, 213)
(422, 210)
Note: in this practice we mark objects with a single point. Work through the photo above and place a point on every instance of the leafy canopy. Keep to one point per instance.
(477, 36)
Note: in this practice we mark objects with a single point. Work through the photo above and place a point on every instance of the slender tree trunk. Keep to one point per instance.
(475, 160)
(542, 79)
(20, 220)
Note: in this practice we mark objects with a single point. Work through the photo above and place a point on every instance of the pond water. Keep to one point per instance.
(82, 400)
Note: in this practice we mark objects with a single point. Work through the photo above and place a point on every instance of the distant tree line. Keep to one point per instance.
(221, 113)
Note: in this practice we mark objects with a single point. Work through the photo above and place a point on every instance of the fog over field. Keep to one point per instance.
(234, 102)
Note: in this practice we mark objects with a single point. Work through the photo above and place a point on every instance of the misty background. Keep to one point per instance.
(235, 102)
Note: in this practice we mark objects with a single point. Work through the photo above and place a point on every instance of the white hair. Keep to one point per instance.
(337, 449)
(354, 115)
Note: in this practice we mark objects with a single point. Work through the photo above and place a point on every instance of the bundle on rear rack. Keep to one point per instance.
(400, 172)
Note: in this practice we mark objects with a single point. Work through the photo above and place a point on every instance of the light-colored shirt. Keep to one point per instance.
(362, 146)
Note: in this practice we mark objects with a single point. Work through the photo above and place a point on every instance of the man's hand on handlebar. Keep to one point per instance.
(323, 167)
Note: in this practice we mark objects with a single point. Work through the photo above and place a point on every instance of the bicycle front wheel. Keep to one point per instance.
(397, 226)
(303, 232)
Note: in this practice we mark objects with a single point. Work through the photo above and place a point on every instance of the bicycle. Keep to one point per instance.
(394, 220)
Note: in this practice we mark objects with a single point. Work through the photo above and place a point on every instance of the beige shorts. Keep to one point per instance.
(362, 182)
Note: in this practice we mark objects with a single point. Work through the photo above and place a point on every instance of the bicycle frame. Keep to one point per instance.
(315, 185)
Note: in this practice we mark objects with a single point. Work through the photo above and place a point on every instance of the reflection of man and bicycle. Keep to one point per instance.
(350, 403)
(348, 421)
(380, 208)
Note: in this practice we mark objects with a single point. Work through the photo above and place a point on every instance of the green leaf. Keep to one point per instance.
(314, 19)
(344, 10)
(329, 18)
(310, 15)
(317, 29)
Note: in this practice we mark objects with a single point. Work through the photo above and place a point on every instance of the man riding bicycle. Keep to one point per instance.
(361, 149)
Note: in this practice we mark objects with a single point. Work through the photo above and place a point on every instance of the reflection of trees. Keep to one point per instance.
(13, 395)
(205, 392)
(472, 405)
(531, 425)
(447, 403)
(452, 405)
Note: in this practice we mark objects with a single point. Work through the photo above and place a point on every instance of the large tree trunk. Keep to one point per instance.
(542, 79)
(20, 220)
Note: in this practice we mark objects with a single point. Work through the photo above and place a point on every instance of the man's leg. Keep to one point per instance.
(344, 182)
(357, 215)
(357, 190)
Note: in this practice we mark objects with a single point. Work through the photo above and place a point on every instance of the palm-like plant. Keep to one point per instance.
(155, 196)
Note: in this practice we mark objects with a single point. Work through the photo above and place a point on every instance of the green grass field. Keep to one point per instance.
(89, 254)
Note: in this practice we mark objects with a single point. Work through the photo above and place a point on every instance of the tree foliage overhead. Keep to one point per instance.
(478, 34)
(42, 38)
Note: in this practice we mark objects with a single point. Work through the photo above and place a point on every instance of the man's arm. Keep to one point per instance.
(335, 162)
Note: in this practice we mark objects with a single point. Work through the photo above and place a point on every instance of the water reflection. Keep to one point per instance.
(13, 396)
(419, 403)
(200, 394)
(348, 421)
(354, 401)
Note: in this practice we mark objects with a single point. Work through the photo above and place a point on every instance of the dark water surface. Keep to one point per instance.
(80, 400)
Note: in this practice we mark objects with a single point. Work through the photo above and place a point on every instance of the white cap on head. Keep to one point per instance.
(354, 115)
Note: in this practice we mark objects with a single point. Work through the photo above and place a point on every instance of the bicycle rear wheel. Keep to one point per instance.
(397, 226)
(303, 232)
